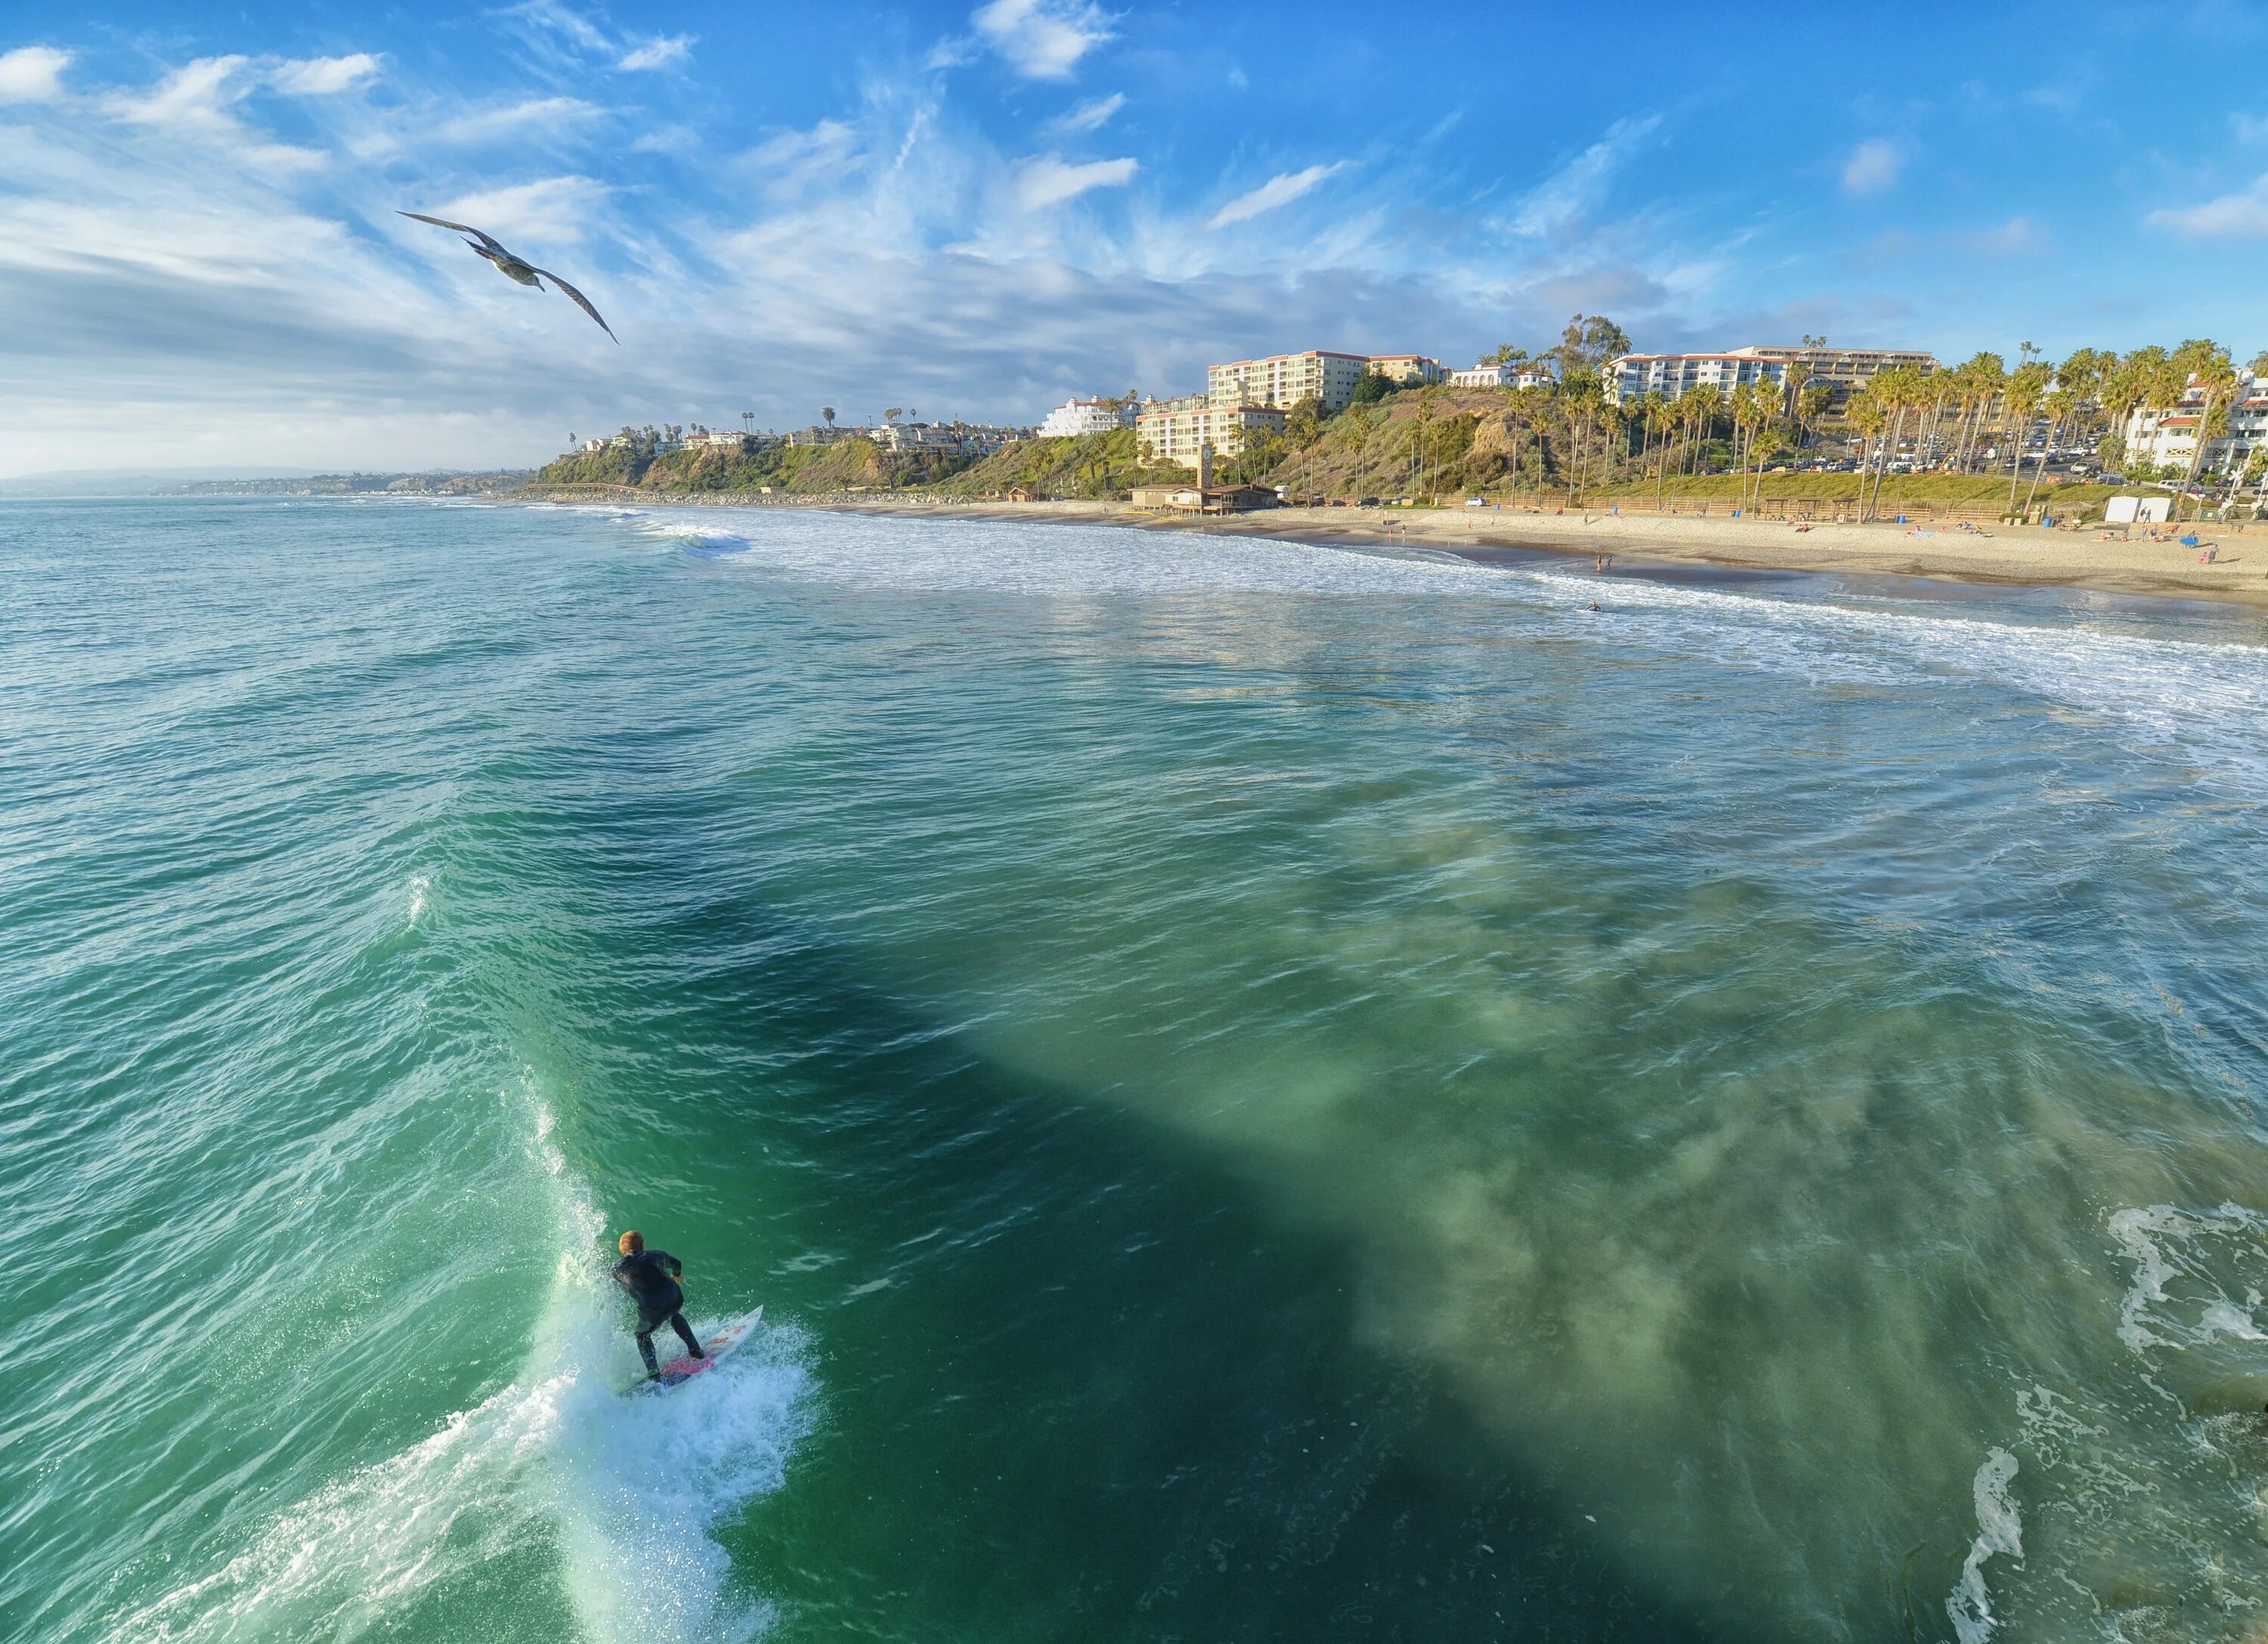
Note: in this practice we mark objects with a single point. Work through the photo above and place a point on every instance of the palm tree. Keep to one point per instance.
(2206, 372)
(1799, 372)
(1706, 400)
(1893, 392)
(828, 413)
(1864, 413)
(2026, 385)
(2125, 387)
(1660, 418)
(1986, 374)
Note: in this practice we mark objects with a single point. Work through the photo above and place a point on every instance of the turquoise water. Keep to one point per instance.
(1267, 1092)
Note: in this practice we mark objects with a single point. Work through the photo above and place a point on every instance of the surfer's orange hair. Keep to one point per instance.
(631, 1243)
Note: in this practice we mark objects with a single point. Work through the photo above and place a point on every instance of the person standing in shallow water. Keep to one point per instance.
(650, 1277)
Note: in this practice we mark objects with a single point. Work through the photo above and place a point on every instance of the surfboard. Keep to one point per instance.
(684, 1366)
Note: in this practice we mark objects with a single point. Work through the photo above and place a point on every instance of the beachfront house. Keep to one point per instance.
(1076, 417)
(1492, 374)
(2168, 435)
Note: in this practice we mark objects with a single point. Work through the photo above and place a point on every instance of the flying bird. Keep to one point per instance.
(514, 268)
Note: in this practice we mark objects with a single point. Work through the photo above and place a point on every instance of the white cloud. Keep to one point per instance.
(514, 118)
(323, 77)
(33, 74)
(195, 101)
(553, 209)
(2239, 216)
(1279, 190)
(658, 53)
(194, 97)
(1042, 40)
(1561, 200)
(1050, 182)
(1874, 165)
(1089, 116)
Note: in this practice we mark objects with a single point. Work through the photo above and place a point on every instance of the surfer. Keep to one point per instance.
(650, 1277)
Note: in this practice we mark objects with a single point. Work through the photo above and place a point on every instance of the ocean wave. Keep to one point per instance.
(625, 1489)
(2197, 697)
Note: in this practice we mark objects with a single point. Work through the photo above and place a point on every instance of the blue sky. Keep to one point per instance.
(976, 210)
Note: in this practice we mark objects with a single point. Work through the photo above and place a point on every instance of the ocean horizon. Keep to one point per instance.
(1266, 1090)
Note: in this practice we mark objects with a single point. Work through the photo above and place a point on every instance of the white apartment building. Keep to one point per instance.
(1635, 376)
(1846, 370)
(2168, 438)
(1175, 431)
(1085, 416)
(1524, 374)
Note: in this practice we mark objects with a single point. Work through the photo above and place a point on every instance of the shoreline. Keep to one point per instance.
(2003, 556)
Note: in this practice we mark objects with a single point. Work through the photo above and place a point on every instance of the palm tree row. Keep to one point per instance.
(2091, 391)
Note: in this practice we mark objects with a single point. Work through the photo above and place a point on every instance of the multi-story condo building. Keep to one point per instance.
(2167, 437)
(1175, 430)
(1522, 374)
(1085, 416)
(1635, 376)
(1846, 370)
(1408, 370)
(1282, 380)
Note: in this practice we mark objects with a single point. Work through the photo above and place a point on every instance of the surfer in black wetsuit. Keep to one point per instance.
(650, 1277)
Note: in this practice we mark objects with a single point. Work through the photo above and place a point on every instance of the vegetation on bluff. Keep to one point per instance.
(799, 469)
(1086, 465)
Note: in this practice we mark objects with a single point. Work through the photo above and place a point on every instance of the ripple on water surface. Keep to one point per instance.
(1271, 1091)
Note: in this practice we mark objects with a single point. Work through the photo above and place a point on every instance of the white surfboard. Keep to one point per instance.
(719, 1344)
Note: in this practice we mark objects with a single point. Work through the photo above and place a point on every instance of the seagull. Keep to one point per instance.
(513, 267)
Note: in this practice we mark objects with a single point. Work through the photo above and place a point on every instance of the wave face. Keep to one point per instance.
(1266, 1090)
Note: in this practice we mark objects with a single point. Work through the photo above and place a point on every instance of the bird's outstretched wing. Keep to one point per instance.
(462, 228)
(581, 301)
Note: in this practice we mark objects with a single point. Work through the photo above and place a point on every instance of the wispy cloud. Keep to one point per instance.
(554, 209)
(1050, 182)
(323, 77)
(33, 74)
(515, 119)
(1041, 40)
(1562, 199)
(1088, 116)
(196, 101)
(1279, 190)
(658, 53)
(2018, 237)
(2239, 216)
(1874, 165)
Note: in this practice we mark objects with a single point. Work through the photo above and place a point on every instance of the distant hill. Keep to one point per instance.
(439, 484)
(131, 481)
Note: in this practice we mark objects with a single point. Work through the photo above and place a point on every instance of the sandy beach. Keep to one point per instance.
(2010, 555)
